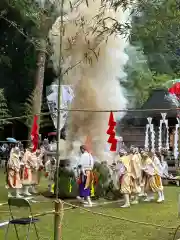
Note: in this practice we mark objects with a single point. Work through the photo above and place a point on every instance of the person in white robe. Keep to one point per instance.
(85, 166)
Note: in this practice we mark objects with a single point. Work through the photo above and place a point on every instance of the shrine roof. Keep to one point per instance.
(156, 104)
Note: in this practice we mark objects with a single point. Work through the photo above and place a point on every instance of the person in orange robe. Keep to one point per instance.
(13, 172)
(27, 171)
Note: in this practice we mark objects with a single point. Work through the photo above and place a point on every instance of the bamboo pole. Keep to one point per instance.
(58, 203)
(58, 220)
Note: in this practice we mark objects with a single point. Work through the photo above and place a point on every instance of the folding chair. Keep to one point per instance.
(28, 221)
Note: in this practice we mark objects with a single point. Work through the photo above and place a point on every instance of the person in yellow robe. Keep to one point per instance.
(136, 172)
(158, 175)
(125, 177)
(153, 183)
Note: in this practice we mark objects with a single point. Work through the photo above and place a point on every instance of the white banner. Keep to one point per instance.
(52, 100)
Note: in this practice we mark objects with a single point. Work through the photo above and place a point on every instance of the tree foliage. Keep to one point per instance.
(153, 60)
(18, 55)
(4, 113)
(157, 29)
(155, 57)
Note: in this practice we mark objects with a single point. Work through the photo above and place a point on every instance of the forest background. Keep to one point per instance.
(26, 69)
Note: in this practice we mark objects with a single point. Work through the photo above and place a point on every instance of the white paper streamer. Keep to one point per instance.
(165, 121)
(176, 139)
(150, 128)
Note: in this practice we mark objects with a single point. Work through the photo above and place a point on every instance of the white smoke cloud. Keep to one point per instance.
(95, 79)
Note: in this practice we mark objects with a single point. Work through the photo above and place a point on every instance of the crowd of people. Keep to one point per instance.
(140, 174)
(24, 168)
(135, 173)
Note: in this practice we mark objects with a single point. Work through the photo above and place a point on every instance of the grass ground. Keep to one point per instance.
(80, 225)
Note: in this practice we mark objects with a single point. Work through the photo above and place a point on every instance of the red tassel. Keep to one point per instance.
(25, 173)
(110, 130)
(34, 133)
(111, 120)
(113, 146)
(111, 138)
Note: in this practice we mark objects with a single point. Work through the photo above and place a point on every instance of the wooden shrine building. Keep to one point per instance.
(133, 125)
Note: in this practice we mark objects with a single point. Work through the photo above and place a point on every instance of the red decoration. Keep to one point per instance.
(111, 138)
(34, 133)
(175, 90)
(111, 132)
(111, 123)
(25, 173)
(113, 145)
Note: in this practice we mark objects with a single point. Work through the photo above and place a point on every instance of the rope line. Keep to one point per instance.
(121, 218)
(174, 235)
(73, 206)
(89, 110)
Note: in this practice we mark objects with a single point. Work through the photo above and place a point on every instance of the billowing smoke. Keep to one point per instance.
(94, 60)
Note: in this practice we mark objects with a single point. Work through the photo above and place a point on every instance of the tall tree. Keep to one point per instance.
(154, 56)
(157, 29)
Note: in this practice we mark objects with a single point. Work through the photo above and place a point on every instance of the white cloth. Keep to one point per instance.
(50, 169)
(14, 160)
(53, 146)
(149, 169)
(158, 166)
(165, 169)
(121, 169)
(86, 161)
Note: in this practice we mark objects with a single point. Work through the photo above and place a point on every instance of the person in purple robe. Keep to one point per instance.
(85, 167)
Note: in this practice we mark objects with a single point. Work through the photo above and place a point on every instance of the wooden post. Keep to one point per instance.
(58, 220)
